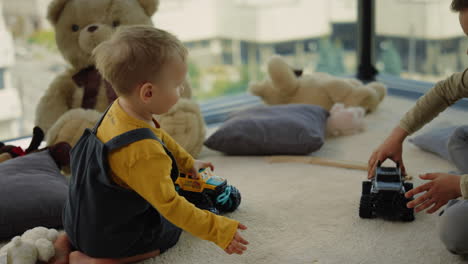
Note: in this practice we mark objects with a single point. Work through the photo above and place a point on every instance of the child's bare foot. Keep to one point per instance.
(62, 250)
(77, 257)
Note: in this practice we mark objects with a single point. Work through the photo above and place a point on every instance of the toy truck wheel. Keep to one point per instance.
(230, 203)
(366, 187)
(408, 186)
(407, 213)
(365, 207)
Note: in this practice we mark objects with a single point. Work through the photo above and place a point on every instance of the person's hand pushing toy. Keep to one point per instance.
(391, 148)
(436, 193)
(199, 164)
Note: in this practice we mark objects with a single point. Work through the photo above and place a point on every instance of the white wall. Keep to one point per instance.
(282, 20)
(6, 43)
(254, 20)
(188, 19)
(428, 19)
(304, 20)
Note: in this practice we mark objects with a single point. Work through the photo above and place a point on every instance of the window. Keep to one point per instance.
(231, 41)
(419, 39)
(2, 78)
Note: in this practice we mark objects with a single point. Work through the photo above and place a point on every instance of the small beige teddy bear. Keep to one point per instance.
(286, 86)
(34, 245)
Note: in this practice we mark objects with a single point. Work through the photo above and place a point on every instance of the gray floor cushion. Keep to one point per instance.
(434, 140)
(272, 130)
(32, 193)
(450, 143)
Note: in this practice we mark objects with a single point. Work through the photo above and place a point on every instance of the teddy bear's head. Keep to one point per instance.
(80, 25)
(282, 83)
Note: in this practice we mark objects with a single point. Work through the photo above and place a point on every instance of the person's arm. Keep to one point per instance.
(150, 177)
(185, 161)
(441, 96)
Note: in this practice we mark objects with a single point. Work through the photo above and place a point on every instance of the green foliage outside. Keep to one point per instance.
(195, 76)
(330, 57)
(44, 38)
(391, 60)
(222, 85)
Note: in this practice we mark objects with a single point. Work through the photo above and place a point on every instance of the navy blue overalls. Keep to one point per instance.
(103, 219)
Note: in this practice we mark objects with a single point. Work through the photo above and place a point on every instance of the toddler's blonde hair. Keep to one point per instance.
(134, 55)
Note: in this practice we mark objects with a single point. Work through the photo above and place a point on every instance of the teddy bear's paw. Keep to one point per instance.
(21, 252)
(45, 249)
(380, 89)
(71, 125)
(257, 88)
(186, 125)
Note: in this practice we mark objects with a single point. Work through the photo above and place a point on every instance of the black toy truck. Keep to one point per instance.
(384, 196)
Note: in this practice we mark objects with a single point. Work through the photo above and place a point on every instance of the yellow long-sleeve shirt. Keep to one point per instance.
(145, 167)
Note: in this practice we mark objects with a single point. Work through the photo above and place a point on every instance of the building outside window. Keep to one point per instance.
(2, 78)
(230, 42)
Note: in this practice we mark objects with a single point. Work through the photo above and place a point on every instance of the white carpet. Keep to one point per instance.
(302, 213)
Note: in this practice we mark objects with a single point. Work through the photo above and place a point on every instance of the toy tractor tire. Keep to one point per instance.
(408, 213)
(232, 203)
(200, 200)
(366, 187)
(408, 186)
(365, 207)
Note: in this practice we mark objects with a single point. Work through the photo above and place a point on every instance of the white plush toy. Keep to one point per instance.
(34, 245)
(345, 121)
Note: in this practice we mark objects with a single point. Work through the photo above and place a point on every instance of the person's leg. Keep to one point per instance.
(169, 236)
(63, 248)
(453, 228)
(64, 255)
(458, 148)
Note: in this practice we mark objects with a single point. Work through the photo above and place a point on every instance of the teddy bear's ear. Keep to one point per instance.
(55, 9)
(150, 6)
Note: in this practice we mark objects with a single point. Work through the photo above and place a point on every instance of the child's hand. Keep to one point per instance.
(237, 244)
(442, 188)
(199, 164)
(391, 148)
(385, 151)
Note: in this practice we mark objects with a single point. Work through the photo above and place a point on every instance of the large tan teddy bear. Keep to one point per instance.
(76, 98)
(286, 86)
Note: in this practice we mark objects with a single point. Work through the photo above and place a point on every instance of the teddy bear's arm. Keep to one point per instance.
(338, 90)
(55, 102)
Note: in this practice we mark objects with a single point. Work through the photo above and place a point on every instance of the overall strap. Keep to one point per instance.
(95, 128)
(130, 137)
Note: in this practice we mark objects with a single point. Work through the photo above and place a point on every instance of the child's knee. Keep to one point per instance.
(453, 230)
(457, 147)
(459, 137)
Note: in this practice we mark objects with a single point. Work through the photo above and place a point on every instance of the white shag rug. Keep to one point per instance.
(303, 213)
